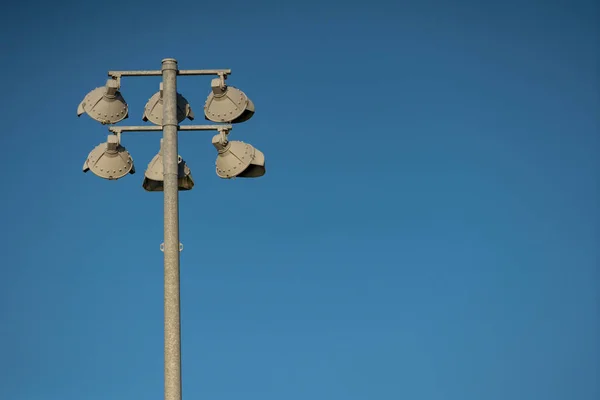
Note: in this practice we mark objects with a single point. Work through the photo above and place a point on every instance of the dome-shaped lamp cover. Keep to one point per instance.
(109, 160)
(227, 104)
(238, 159)
(153, 111)
(154, 175)
(105, 104)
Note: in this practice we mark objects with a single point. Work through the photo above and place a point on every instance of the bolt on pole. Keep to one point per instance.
(171, 233)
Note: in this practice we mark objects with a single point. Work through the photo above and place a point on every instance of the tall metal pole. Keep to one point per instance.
(171, 232)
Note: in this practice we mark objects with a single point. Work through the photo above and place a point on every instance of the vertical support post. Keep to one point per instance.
(171, 232)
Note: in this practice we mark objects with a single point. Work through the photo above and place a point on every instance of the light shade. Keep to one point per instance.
(227, 104)
(109, 160)
(105, 104)
(154, 176)
(153, 111)
(238, 159)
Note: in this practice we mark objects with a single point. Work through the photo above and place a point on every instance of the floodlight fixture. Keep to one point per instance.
(154, 108)
(105, 104)
(237, 159)
(227, 103)
(109, 160)
(154, 175)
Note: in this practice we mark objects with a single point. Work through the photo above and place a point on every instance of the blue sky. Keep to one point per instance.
(428, 227)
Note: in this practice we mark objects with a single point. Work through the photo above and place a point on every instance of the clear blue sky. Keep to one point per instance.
(428, 227)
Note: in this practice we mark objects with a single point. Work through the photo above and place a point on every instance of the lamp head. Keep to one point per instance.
(109, 160)
(105, 104)
(238, 159)
(227, 104)
(153, 111)
(154, 175)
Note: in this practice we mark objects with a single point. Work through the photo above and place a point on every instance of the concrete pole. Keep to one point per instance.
(171, 232)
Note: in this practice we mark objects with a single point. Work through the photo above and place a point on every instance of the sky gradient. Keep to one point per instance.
(428, 227)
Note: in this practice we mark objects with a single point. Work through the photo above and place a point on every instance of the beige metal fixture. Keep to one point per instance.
(153, 111)
(237, 158)
(105, 104)
(109, 160)
(154, 177)
(227, 104)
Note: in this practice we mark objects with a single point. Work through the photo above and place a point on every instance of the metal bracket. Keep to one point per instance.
(222, 77)
(158, 72)
(223, 132)
(118, 79)
(162, 247)
(154, 128)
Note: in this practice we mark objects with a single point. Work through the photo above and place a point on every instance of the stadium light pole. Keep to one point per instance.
(225, 104)
(171, 233)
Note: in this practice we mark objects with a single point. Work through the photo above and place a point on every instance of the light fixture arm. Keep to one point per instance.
(183, 72)
(150, 128)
